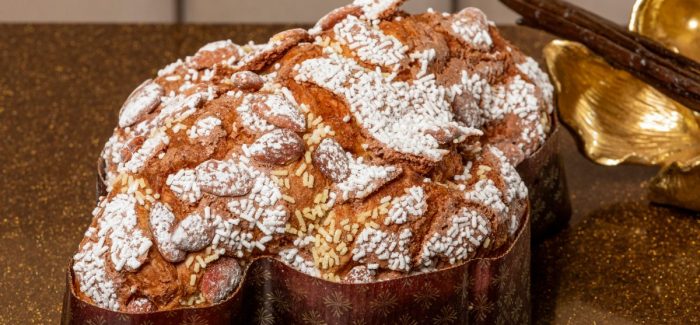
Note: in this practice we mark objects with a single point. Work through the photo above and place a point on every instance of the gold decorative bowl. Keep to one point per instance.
(622, 119)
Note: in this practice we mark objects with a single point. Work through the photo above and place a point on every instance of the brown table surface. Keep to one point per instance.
(621, 260)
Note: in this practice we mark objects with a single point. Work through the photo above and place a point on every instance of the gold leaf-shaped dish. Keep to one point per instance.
(622, 119)
(618, 117)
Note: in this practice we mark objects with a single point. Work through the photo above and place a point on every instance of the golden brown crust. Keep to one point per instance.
(382, 149)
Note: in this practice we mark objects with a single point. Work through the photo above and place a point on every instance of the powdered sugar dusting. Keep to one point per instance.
(398, 114)
(127, 249)
(486, 193)
(220, 279)
(515, 188)
(90, 271)
(249, 118)
(281, 112)
(278, 146)
(516, 96)
(118, 223)
(171, 68)
(258, 192)
(150, 148)
(175, 108)
(213, 46)
(331, 160)
(369, 42)
(471, 25)
(195, 231)
(364, 179)
(216, 52)
(141, 102)
(374, 9)
(258, 216)
(223, 178)
(162, 221)
(359, 274)
(291, 257)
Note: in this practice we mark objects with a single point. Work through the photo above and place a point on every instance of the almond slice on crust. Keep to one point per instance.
(279, 111)
(220, 279)
(332, 18)
(379, 9)
(223, 178)
(278, 147)
(247, 81)
(194, 232)
(216, 52)
(274, 49)
(162, 223)
(142, 101)
(331, 160)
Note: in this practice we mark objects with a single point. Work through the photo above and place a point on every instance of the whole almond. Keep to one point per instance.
(380, 9)
(279, 111)
(142, 101)
(291, 36)
(331, 160)
(193, 233)
(473, 21)
(278, 147)
(162, 222)
(332, 18)
(220, 279)
(466, 110)
(247, 81)
(131, 147)
(473, 16)
(275, 48)
(445, 135)
(214, 53)
(223, 178)
(140, 305)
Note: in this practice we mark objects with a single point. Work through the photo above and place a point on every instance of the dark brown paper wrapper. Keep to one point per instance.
(482, 291)
(543, 173)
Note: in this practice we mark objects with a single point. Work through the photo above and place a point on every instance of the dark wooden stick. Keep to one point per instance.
(631, 40)
(675, 75)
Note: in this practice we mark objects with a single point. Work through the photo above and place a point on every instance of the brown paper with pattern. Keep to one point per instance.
(543, 174)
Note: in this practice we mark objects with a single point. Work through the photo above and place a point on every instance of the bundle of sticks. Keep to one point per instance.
(671, 73)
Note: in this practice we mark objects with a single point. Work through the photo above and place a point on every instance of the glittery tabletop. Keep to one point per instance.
(621, 261)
